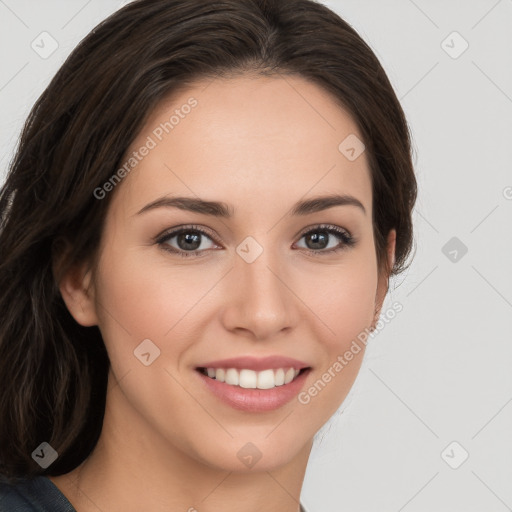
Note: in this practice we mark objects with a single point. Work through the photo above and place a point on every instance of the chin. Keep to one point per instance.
(246, 453)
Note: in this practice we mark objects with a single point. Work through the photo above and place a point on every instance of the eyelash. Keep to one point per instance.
(347, 240)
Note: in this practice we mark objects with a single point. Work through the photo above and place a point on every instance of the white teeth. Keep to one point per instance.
(290, 374)
(232, 377)
(266, 379)
(250, 379)
(279, 377)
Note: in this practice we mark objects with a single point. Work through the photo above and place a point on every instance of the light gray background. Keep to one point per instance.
(441, 370)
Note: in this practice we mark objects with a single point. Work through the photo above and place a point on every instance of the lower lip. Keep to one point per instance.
(255, 400)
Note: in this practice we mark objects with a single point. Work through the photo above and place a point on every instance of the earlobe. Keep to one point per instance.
(78, 294)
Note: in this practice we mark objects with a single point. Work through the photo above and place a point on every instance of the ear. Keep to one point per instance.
(77, 289)
(383, 283)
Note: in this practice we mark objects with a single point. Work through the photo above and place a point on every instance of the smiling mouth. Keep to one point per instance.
(250, 379)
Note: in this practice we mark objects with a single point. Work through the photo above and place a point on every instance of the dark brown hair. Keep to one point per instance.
(53, 371)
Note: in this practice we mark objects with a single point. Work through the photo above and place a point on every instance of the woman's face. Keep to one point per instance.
(260, 280)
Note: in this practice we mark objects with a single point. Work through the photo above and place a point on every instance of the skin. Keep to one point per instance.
(167, 443)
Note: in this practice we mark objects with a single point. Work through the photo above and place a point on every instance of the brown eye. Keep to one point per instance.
(322, 239)
(189, 241)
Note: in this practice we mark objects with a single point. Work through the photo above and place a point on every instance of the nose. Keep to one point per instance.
(260, 299)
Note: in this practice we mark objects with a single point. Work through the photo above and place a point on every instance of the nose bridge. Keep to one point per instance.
(261, 301)
(260, 274)
(256, 266)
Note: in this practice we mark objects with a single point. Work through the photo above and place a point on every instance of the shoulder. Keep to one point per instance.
(37, 494)
(12, 497)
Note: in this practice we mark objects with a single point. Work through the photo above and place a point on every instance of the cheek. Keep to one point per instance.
(141, 298)
(342, 297)
(345, 305)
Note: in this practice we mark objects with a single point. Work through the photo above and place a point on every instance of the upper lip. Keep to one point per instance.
(256, 363)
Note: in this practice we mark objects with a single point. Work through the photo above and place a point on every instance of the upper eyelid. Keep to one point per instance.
(171, 233)
(323, 226)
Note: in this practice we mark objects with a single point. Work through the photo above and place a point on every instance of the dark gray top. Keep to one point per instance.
(38, 494)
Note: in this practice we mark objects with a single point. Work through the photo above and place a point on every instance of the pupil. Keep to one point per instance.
(316, 237)
(189, 238)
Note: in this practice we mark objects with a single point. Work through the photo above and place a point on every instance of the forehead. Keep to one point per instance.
(247, 140)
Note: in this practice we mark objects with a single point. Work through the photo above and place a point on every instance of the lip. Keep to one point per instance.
(255, 400)
(256, 363)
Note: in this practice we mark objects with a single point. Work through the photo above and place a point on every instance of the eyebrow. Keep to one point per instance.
(223, 210)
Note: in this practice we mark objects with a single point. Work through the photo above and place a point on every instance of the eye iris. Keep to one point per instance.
(189, 238)
(315, 237)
